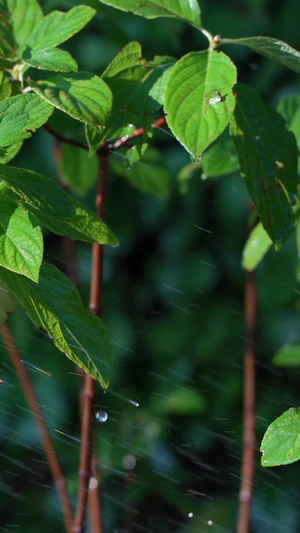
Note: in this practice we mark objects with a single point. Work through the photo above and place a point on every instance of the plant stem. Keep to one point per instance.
(94, 498)
(88, 392)
(247, 474)
(109, 146)
(39, 420)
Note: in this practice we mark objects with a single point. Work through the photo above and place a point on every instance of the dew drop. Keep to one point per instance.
(210, 523)
(190, 515)
(101, 416)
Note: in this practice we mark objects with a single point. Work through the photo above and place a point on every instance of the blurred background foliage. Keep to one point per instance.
(173, 301)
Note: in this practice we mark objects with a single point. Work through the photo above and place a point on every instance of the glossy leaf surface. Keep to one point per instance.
(256, 247)
(272, 48)
(137, 87)
(268, 160)
(20, 116)
(199, 101)
(187, 10)
(83, 225)
(17, 23)
(21, 240)
(281, 442)
(81, 95)
(54, 304)
(53, 30)
(37, 191)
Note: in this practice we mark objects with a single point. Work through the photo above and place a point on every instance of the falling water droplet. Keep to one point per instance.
(190, 515)
(129, 462)
(101, 416)
(210, 523)
(115, 246)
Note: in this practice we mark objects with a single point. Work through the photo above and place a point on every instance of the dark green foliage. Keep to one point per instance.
(173, 289)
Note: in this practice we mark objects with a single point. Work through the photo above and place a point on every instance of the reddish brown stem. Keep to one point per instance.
(94, 498)
(109, 146)
(245, 494)
(88, 392)
(39, 420)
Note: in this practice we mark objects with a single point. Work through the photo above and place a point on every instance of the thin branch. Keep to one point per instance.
(39, 420)
(94, 497)
(247, 475)
(108, 146)
(88, 392)
(64, 139)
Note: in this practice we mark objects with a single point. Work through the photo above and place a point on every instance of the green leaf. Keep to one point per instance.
(220, 159)
(83, 225)
(58, 27)
(289, 109)
(54, 304)
(37, 192)
(8, 304)
(179, 401)
(135, 153)
(187, 10)
(298, 235)
(198, 98)
(81, 95)
(94, 136)
(288, 355)
(256, 247)
(54, 29)
(129, 57)
(21, 241)
(18, 21)
(272, 48)
(8, 45)
(281, 442)
(50, 59)
(78, 169)
(268, 160)
(20, 116)
(149, 176)
(9, 152)
(137, 87)
(5, 87)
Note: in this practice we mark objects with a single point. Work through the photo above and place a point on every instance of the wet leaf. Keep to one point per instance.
(54, 304)
(288, 355)
(273, 48)
(199, 101)
(268, 159)
(187, 10)
(281, 442)
(20, 116)
(81, 95)
(21, 240)
(256, 247)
